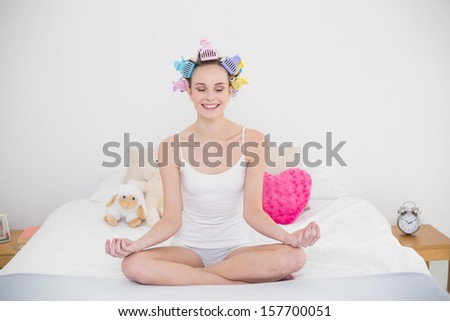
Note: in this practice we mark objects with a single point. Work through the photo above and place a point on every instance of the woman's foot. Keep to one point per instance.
(288, 278)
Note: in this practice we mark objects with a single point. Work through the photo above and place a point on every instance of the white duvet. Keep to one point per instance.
(356, 240)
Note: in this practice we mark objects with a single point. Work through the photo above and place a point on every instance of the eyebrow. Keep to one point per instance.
(200, 83)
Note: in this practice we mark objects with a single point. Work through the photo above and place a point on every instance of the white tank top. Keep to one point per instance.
(213, 207)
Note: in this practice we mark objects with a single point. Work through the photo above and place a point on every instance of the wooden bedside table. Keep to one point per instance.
(9, 249)
(431, 244)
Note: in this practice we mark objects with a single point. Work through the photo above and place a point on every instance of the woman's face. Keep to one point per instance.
(210, 90)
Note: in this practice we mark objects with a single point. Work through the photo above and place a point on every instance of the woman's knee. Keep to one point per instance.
(130, 267)
(291, 259)
(134, 267)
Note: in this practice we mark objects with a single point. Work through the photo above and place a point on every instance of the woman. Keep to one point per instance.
(209, 196)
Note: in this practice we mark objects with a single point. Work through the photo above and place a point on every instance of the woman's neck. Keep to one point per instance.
(212, 130)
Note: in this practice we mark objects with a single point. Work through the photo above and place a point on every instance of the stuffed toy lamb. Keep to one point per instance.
(126, 202)
(151, 186)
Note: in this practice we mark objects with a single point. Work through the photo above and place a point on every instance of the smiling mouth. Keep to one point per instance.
(210, 106)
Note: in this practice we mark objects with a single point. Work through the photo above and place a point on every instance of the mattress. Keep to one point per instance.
(65, 259)
(378, 287)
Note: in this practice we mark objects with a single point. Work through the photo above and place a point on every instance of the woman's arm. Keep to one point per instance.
(170, 221)
(253, 188)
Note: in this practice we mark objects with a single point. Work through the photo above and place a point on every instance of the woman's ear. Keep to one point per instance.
(188, 91)
(111, 201)
(232, 94)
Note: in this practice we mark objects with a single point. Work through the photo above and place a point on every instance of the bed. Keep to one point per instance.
(357, 258)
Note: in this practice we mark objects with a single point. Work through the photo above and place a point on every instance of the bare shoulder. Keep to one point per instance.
(168, 140)
(254, 148)
(253, 135)
(166, 143)
(166, 154)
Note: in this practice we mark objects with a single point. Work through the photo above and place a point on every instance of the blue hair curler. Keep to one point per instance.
(185, 67)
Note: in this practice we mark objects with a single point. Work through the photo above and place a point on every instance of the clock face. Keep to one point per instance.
(408, 223)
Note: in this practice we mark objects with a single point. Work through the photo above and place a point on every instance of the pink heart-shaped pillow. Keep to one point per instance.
(286, 195)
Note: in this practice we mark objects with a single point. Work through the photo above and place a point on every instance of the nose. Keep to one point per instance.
(210, 96)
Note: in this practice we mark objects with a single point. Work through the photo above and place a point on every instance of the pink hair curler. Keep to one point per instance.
(185, 67)
(181, 84)
(231, 64)
(206, 51)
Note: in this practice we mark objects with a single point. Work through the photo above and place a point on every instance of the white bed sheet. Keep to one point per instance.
(356, 240)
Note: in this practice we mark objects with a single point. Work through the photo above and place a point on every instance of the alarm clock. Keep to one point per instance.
(408, 219)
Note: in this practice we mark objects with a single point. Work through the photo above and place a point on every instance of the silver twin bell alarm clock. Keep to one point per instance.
(408, 220)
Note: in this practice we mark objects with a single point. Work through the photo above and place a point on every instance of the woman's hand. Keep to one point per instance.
(121, 247)
(303, 237)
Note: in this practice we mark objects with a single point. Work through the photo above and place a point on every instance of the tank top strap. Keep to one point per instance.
(243, 136)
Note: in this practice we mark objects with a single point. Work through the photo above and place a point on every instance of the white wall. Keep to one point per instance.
(77, 74)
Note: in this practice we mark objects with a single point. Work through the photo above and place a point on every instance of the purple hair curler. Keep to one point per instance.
(231, 64)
